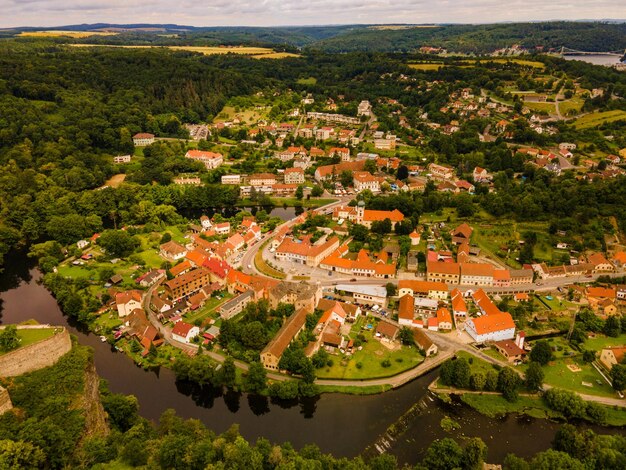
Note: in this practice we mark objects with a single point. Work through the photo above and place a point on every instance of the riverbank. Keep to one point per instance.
(494, 405)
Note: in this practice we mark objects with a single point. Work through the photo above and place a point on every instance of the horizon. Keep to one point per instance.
(271, 13)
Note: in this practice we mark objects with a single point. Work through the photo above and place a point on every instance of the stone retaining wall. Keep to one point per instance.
(37, 355)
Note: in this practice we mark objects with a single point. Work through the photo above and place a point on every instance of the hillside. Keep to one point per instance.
(477, 39)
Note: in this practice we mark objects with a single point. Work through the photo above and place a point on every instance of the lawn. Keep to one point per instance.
(476, 364)
(540, 106)
(558, 375)
(601, 342)
(30, 336)
(571, 106)
(208, 308)
(493, 405)
(596, 119)
(370, 358)
(261, 265)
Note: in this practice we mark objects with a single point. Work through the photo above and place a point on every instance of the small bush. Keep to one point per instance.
(386, 363)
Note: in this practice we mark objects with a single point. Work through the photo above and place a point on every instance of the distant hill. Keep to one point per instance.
(478, 39)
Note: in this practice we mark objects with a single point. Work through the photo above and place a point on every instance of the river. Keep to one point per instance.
(600, 59)
(343, 425)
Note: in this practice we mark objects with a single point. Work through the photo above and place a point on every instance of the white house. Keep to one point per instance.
(206, 222)
(210, 160)
(184, 332)
(82, 244)
(493, 327)
(127, 301)
(142, 139)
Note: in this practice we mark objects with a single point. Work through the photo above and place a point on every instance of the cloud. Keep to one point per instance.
(297, 12)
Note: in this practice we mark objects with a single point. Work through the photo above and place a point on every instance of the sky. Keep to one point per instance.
(299, 12)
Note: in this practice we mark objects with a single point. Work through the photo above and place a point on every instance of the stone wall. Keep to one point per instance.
(5, 401)
(37, 355)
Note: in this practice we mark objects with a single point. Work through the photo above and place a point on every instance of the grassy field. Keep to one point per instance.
(256, 52)
(597, 119)
(276, 55)
(540, 106)
(427, 66)
(572, 106)
(528, 63)
(265, 268)
(247, 115)
(494, 405)
(69, 34)
(307, 81)
(601, 341)
(370, 359)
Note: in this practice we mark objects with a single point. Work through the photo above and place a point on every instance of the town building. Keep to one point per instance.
(301, 295)
(449, 273)
(304, 252)
(262, 179)
(424, 343)
(429, 289)
(235, 305)
(363, 180)
(121, 159)
(188, 283)
(184, 332)
(611, 356)
(231, 179)
(294, 176)
(172, 251)
(127, 301)
(210, 160)
(365, 294)
(142, 139)
(271, 354)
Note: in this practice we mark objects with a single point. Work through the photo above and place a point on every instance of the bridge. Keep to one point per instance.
(568, 51)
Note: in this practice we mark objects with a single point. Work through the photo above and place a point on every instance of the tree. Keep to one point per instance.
(359, 232)
(406, 336)
(618, 376)
(123, 410)
(9, 340)
(478, 381)
(317, 191)
(534, 376)
(391, 289)
(508, 381)
(118, 243)
(444, 454)
(382, 227)
(20, 454)
(541, 352)
(256, 380)
(474, 454)
(299, 192)
(346, 178)
(612, 326)
(228, 372)
(402, 173)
